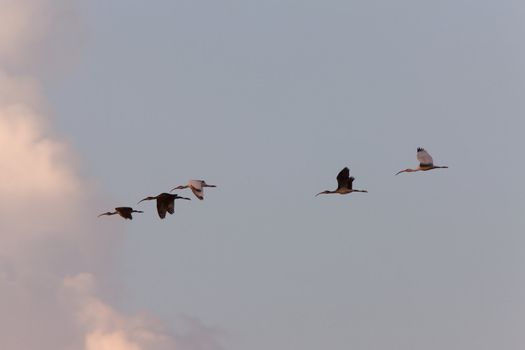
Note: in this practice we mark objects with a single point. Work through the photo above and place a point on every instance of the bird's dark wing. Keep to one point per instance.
(350, 181)
(162, 207)
(125, 212)
(171, 206)
(343, 178)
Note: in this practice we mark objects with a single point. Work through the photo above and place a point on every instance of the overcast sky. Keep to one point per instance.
(269, 100)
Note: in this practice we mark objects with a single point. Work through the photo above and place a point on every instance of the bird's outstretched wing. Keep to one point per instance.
(125, 212)
(171, 206)
(161, 208)
(343, 177)
(196, 187)
(197, 192)
(424, 158)
(350, 181)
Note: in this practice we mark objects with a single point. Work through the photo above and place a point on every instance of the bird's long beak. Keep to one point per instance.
(186, 198)
(175, 188)
(399, 172)
(142, 200)
(319, 193)
(102, 215)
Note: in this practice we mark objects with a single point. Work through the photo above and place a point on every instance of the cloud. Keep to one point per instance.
(55, 255)
(106, 328)
(46, 226)
(38, 31)
(21, 27)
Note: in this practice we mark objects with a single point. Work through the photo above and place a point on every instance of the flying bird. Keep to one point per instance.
(196, 186)
(425, 162)
(165, 203)
(344, 184)
(125, 212)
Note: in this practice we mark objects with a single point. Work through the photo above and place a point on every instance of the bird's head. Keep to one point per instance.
(106, 213)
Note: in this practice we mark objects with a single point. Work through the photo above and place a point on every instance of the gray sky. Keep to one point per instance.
(269, 100)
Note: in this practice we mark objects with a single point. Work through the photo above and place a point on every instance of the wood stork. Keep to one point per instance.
(165, 203)
(196, 186)
(425, 162)
(344, 184)
(125, 212)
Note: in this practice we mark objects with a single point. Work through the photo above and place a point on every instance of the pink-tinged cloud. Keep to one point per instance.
(53, 250)
(28, 25)
(105, 328)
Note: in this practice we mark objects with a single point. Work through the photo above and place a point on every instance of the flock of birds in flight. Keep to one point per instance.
(166, 201)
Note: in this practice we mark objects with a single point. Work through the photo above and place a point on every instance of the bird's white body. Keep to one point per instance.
(425, 162)
(196, 186)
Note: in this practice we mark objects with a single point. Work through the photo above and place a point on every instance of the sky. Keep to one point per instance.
(104, 103)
